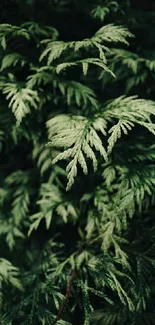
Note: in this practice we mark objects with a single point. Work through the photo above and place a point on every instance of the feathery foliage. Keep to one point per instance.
(77, 107)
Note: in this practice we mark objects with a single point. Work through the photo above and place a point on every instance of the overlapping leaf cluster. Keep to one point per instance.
(77, 179)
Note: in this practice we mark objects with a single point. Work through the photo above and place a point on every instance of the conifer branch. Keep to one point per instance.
(72, 277)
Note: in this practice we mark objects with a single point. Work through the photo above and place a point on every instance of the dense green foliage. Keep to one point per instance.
(77, 176)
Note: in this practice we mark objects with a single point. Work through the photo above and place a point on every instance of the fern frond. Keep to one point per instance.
(7, 31)
(112, 277)
(112, 33)
(76, 92)
(116, 130)
(41, 76)
(11, 60)
(52, 202)
(43, 157)
(53, 50)
(109, 33)
(9, 273)
(78, 135)
(20, 99)
(85, 64)
(100, 12)
(129, 111)
(88, 309)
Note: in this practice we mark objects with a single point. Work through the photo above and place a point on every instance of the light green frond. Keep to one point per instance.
(112, 33)
(42, 155)
(7, 31)
(85, 63)
(9, 274)
(53, 50)
(11, 60)
(116, 132)
(20, 99)
(52, 203)
(100, 12)
(78, 137)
